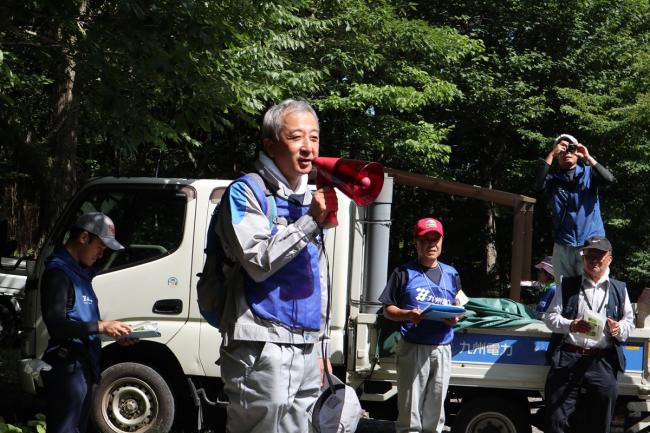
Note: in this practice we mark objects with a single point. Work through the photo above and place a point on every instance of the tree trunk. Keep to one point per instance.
(490, 244)
(61, 179)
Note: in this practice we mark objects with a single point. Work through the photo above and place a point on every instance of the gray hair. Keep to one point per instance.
(272, 121)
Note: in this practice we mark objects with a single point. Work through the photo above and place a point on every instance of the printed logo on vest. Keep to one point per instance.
(87, 299)
(422, 295)
(425, 295)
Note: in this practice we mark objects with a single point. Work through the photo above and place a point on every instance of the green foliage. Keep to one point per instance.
(37, 425)
(473, 91)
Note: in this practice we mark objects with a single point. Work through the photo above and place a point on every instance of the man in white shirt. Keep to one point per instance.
(590, 316)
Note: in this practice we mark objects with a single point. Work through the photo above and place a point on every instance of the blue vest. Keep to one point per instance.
(546, 298)
(420, 292)
(570, 296)
(85, 307)
(292, 295)
(576, 207)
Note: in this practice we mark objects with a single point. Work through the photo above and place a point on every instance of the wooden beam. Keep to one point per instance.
(458, 188)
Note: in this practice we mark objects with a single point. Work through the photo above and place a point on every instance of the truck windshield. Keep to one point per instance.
(148, 222)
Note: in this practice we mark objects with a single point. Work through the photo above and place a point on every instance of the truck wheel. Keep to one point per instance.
(132, 397)
(492, 415)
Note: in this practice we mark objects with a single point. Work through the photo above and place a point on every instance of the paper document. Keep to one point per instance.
(461, 298)
(144, 329)
(597, 324)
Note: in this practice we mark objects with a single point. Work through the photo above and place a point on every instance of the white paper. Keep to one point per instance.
(597, 324)
(144, 329)
(461, 298)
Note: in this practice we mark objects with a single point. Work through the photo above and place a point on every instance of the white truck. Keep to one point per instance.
(13, 275)
(163, 223)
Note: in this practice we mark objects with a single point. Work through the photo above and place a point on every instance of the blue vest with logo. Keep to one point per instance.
(85, 308)
(292, 295)
(420, 292)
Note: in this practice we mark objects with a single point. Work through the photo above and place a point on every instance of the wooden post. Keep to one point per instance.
(518, 248)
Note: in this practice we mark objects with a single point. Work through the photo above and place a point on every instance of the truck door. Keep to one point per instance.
(149, 279)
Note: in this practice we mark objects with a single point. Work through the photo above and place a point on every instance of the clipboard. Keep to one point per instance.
(439, 312)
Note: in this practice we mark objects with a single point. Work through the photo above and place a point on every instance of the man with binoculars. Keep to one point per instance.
(573, 190)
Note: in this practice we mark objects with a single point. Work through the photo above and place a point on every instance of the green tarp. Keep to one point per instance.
(481, 313)
(495, 312)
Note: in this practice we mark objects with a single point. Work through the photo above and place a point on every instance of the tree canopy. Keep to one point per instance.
(472, 91)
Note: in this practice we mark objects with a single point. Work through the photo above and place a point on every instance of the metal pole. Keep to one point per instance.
(376, 253)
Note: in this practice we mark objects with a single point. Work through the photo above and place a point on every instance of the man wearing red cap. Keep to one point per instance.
(424, 353)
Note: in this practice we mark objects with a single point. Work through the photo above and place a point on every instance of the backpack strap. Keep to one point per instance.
(264, 197)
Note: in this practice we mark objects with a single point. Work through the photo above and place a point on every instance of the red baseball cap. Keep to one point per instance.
(426, 225)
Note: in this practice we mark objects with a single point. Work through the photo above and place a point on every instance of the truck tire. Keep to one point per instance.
(492, 415)
(132, 397)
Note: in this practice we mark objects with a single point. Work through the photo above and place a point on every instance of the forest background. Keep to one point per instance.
(473, 91)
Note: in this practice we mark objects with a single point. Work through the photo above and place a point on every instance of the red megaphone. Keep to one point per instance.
(360, 180)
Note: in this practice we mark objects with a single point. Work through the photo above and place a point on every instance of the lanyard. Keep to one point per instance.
(426, 278)
(593, 298)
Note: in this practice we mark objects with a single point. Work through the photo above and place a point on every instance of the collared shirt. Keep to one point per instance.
(594, 293)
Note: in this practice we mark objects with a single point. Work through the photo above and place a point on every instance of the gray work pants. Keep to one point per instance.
(567, 262)
(270, 386)
(423, 373)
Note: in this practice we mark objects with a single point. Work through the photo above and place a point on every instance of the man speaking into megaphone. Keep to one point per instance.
(269, 225)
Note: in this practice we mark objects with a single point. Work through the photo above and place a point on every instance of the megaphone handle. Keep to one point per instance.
(330, 219)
